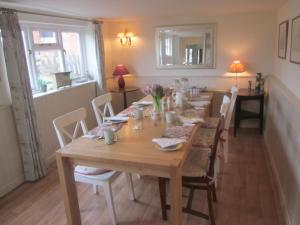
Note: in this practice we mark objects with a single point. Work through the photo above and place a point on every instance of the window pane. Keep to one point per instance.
(71, 45)
(48, 62)
(44, 37)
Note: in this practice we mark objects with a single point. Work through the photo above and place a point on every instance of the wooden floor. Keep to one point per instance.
(245, 195)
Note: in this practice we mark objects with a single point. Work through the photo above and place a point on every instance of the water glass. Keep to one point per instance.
(170, 117)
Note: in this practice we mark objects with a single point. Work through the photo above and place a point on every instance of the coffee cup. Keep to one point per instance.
(109, 136)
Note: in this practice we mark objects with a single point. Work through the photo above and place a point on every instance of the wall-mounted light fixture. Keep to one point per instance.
(125, 38)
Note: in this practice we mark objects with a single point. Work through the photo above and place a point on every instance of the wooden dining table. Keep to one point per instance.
(133, 152)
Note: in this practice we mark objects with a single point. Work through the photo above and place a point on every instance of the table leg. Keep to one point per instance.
(68, 186)
(125, 99)
(176, 197)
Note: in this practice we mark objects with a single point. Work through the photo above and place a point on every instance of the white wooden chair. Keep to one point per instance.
(103, 101)
(95, 176)
(102, 108)
(225, 133)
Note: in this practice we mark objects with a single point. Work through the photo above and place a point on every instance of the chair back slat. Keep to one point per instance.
(230, 109)
(225, 106)
(105, 102)
(214, 147)
(60, 123)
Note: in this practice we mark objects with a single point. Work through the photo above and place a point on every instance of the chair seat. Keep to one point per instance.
(211, 122)
(90, 171)
(197, 163)
(204, 137)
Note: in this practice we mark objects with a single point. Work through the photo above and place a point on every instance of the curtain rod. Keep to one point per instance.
(52, 15)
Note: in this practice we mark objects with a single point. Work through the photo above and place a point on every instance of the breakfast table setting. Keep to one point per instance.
(151, 137)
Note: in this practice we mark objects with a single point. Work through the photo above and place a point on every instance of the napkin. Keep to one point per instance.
(116, 119)
(167, 142)
(143, 103)
(126, 112)
(192, 120)
(199, 103)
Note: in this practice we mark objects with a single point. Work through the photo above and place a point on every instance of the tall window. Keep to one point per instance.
(51, 50)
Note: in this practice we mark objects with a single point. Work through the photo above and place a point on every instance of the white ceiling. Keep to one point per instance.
(114, 9)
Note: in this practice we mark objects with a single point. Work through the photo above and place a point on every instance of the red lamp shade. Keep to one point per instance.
(121, 70)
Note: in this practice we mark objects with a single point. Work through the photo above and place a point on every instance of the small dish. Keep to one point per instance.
(170, 148)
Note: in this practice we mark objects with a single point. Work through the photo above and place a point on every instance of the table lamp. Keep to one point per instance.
(119, 71)
(236, 67)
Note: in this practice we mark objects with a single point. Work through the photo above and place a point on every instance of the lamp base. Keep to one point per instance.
(121, 82)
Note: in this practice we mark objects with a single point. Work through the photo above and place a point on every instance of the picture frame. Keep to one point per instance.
(295, 41)
(283, 39)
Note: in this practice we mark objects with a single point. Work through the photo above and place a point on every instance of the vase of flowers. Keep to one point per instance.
(157, 93)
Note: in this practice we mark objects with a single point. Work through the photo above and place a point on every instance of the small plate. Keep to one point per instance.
(169, 149)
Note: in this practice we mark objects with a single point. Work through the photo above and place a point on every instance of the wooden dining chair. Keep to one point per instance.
(197, 174)
(205, 137)
(90, 175)
(102, 107)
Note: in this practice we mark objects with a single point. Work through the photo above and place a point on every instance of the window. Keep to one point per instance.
(51, 50)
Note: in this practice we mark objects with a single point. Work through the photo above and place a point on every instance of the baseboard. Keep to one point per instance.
(278, 186)
(12, 185)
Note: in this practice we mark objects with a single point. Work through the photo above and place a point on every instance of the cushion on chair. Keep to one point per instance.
(85, 170)
(197, 163)
(204, 137)
(211, 122)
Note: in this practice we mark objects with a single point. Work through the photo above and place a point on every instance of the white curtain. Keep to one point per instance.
(21, 96)
(99, 45)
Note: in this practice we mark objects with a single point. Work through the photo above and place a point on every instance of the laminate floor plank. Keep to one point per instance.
(246, 193)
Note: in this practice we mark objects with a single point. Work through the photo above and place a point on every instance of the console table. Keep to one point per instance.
(240, 114)
(124, 93)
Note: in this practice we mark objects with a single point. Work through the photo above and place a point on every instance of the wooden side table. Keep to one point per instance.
(124, 92)
(245, 95)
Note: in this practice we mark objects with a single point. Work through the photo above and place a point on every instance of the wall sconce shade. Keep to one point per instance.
(119, 71)
(236, 67)
(125, 38)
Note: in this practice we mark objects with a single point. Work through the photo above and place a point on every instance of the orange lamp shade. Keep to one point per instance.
(237, 67)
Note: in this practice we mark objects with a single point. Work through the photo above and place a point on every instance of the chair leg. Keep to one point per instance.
(216, 170)
(110, 202)
(163, 197)
(214, 193)
(130, 184)
(210, 206)
(95, 189)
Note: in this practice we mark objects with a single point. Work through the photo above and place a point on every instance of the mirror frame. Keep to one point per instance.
(212, 65)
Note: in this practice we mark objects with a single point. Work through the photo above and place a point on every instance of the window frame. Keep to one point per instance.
(31, 47)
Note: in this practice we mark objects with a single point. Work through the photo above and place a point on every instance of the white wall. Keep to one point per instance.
(50, 106)
(283, 143)
(11, 170)
(249, 37)
(283, 124)
(288, 72)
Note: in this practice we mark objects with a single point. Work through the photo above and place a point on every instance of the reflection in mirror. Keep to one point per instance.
(188, 46)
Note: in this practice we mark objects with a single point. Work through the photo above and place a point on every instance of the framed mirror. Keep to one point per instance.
(186, 46)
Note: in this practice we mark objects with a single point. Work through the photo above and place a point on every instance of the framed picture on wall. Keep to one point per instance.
(282, 39)
(295, 41)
